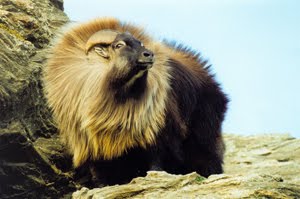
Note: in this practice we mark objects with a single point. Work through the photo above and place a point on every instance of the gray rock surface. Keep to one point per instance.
(163, 185)
(275, 155)
(262, 166)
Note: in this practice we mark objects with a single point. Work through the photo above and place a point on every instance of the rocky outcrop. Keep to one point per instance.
(26, 28)
(263, 166)
(163, 185)
(32, 162)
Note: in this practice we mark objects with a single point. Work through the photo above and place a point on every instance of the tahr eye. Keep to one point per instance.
(120, 45)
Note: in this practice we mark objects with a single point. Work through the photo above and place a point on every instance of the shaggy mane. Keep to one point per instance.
(90, 121)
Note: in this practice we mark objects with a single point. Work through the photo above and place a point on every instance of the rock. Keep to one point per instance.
(26, 28)
(262, 166)
(163, 185)
(264, 154)
(25, 172)
(53, 150)
(32, 161)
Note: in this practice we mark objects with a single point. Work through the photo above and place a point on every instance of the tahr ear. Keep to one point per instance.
(102, 51)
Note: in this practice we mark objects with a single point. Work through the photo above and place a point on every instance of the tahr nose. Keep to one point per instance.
(147, 54)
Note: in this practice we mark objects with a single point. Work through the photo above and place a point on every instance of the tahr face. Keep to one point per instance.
(130, 63)
(132, 51)
(127, 59)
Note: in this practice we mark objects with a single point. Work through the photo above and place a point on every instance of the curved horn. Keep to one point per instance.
(100, 37)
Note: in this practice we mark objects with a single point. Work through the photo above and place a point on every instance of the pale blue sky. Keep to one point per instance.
(253, 45)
